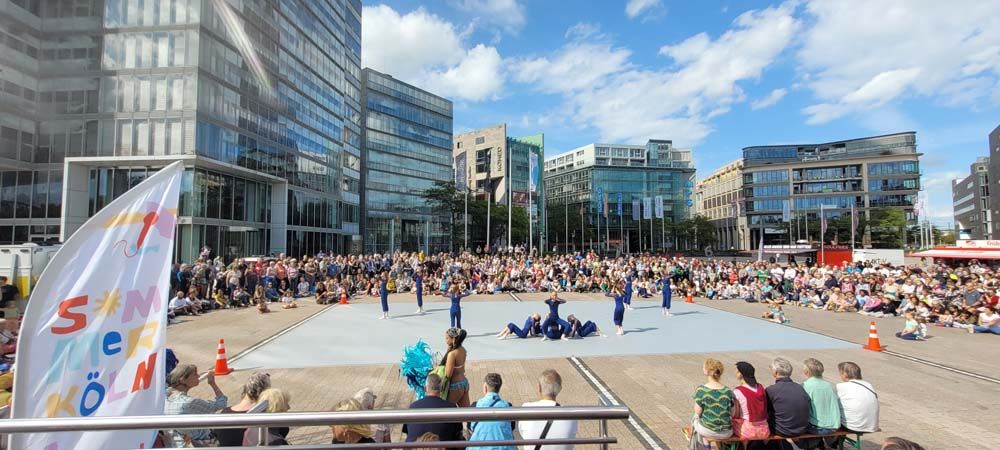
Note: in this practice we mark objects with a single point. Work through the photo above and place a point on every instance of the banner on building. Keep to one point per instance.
(606, 207)
(600, 202)
(786, 210)
(533, 171)
(658, 204)
(635, 209)
(460, 172)
(647, 208)
(619, 205)
(96, 322)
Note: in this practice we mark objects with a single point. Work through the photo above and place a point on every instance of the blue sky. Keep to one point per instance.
(715, 76)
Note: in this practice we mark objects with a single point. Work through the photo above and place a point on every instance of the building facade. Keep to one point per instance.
(583, 187)
(970, 202)
(785, 187)
(993, 173)
(407, 148)
(261, 100)
(717, 198)
(506, 170)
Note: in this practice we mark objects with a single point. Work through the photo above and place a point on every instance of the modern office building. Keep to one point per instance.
(582, 183)
(786, 186)
(498, 167)
(717, 198)
(261, 100)
(993, 173)
(970, 202)
(406, 149)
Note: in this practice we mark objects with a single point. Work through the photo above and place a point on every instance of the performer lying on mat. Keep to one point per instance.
(532, 328)
(582, 330)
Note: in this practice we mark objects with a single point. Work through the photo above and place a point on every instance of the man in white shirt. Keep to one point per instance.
(549, 386)
(858, 400)
(180, 304)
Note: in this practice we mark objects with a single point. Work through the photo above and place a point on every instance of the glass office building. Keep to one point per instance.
(785, 186)
(580, 181)
(407, 148)
(261, 100)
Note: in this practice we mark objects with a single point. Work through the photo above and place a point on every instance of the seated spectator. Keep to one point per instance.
(788, 403)
(714, 407)
(240, 297)
(255, 385)
(288, 301)
(492, 431)
(180, 381)
(181, 306)
(271, 293)
(898, 443)
(303, 288)
(858, 400)
(366, 398)
(549, 386)
(351, 434)
(751, 422)
(8, 336)
(277, 402)
(989, 321)
(445, 431)
(430, 437)
(911, 328)
(824, 405)
(194, 296)
(258, 295)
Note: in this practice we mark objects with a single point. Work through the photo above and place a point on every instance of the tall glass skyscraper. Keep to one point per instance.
(261, 100)
(407, 148)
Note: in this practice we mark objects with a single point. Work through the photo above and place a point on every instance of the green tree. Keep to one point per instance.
(887, 227)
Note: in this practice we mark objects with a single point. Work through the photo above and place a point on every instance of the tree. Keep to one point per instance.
(445, 197)
(887, 227)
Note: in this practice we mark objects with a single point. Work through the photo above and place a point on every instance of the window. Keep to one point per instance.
(480, 140)
(893, 168)
(766, 176)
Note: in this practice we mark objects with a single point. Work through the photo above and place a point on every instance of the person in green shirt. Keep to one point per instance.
(824, 404)
(714, 408)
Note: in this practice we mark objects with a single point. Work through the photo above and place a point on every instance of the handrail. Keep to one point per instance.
(442, 444)
(393, 416)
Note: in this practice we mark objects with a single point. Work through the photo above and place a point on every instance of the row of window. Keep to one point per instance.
(30, 195)
(165, 92)
(410, 94)
(402, 110)
(826, 173)
(391, 125)
(147, 13)
(893, 168)
(150, 49)
(766, 176)
(892, 200)
(776, 190)
(382, 142)
(893, 184)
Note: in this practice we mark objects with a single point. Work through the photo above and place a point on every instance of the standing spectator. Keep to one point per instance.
(824, 405)
(492, 431)
(858, 400)
(714, 407)
(787, 402)
(180, 381)
(445, 431)
(549, 386)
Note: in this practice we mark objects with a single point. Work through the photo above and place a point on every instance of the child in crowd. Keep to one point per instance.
(288, 301)
(775, 314)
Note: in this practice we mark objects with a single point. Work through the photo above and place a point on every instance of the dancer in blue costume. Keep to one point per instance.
(618, 293)
(455, 293)
(582, 330)
(667, 294)
(383, 292)
(554, 327)
(418, 283)
(532, 327)
(628, 290)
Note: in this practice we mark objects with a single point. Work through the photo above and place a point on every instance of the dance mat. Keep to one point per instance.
(353, 334)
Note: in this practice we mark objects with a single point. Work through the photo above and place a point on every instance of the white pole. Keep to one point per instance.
(489, 201)
(465, 219)
(510, 199)
(531, 236)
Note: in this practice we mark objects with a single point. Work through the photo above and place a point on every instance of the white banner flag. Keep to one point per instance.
(636, 210)
(533, 173)
(658, 202)
(92, 337)
(647, 208)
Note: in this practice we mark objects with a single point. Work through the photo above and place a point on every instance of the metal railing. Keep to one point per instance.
(394, 416)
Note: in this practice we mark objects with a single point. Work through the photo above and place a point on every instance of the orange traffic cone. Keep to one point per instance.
(343, 297)
(221, 366)
(689, 299)
(873, 343)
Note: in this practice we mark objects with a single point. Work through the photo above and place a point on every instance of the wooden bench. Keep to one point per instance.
(851, 438)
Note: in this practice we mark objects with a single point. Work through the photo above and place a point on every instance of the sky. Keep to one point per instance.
(713, 76)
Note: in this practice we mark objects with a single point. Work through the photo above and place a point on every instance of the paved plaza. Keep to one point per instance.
(323, 354)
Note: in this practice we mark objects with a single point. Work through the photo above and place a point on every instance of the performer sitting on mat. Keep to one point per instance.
(581, 330)
(532, 327)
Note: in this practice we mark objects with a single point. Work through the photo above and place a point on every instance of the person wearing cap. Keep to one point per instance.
(751, 421)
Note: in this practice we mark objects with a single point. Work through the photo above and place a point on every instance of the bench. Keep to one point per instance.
(852, 438)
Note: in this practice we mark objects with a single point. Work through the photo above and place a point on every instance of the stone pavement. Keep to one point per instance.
(938, 408)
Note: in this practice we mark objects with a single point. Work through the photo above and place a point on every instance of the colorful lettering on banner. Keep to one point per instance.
(96, 322)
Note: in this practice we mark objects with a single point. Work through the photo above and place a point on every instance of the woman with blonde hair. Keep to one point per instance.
(277, 402)
(366, 398)
(354, 433)
(714, 408)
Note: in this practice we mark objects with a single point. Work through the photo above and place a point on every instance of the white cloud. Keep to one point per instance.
(859, 55)
(602, 89)
(582, 30)
(636, 7)
(774, 97)
(508, 14)
(430, 52)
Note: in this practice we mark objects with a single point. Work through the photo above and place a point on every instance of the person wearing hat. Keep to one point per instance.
(751, 420)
